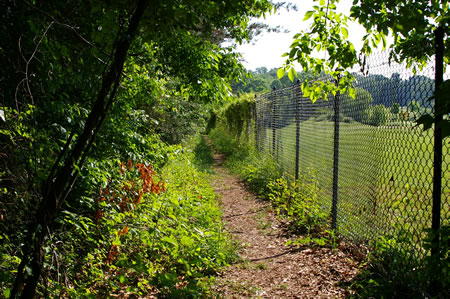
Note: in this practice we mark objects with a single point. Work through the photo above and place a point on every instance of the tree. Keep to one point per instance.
(261, 70)
(275, 84)
(77, 58)
(357, 108)
(395, 108)
(328, 32)
(379, 115)
(414, 106)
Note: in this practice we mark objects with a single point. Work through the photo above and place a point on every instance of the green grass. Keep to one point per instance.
(385, 174)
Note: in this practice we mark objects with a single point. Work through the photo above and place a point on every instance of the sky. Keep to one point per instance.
(268, 47)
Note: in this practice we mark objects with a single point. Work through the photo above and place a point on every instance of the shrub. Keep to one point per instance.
(223, 141)
(414, 106)
(395, 108)
(258, 170)
(356, 108)
(298, 202)
(392, 270)
(347, 119)
(379, 115)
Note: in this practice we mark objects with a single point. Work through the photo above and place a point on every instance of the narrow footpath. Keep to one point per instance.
(267, 268)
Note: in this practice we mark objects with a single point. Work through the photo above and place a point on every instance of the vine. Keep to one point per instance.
(238, 116)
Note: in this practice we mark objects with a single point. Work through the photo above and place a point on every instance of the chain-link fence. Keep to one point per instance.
(373, 163)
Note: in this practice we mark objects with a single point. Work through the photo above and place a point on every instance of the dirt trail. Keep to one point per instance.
(269, 268)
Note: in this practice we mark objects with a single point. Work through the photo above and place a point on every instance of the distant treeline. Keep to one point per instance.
(384, 90)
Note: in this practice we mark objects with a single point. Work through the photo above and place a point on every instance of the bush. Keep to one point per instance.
(379, 115)
(347, 119)
(414, 106)
(145, 231)
(392, 270)
(298, 202)
(356, 108)
(258, 170)
(226, 144)
(395, 108)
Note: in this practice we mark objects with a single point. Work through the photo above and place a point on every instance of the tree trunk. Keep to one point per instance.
(56, 189)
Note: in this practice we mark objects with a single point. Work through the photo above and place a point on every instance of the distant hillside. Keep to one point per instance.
(384, 90)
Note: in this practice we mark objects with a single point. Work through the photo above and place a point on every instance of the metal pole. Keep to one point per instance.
(263, 124)
(437, 163)
(335, 160)
(255, 117)
(297, 129)
(273, 122)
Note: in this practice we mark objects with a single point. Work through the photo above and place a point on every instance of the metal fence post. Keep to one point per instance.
(255, 118)
(273, 122)
(335, 159)
(297, 129)
(263, 124)
(437, 163)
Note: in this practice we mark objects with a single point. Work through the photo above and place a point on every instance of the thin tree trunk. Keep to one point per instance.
(56, 189)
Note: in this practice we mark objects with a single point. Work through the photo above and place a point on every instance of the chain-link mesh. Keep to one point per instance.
(385, 169)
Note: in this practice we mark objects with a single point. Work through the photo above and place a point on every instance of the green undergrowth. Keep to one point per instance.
(150, 232)
(391, 270)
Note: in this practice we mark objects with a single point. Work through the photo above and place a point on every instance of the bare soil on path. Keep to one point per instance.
(268, 268)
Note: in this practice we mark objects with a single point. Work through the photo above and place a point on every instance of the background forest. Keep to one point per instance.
(413, 92)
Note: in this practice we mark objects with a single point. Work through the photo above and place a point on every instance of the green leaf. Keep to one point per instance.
(344, 32)
(352, 92)
(280, 73)
(122, 279)
(186, 241)
(308, 15)
(291, 74)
